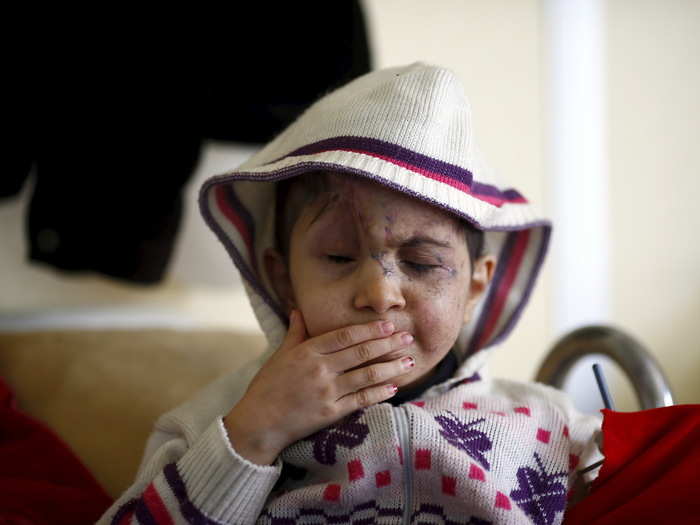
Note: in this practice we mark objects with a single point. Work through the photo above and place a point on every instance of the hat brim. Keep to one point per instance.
(234, 203)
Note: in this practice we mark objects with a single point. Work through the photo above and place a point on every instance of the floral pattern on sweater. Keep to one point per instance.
(474, 442)
(348, 433)
(540, 495)
(483, 452)
(463, 457)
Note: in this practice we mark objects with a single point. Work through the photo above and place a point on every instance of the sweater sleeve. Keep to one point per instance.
(208, 482)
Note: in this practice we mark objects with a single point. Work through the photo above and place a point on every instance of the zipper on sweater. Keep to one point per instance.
(404, 443)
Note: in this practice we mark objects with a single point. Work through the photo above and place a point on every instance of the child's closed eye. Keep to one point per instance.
(420, 267)
(413, 266)
(339, 259)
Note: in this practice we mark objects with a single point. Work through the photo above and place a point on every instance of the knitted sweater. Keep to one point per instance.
(469, 449)
(447, 457)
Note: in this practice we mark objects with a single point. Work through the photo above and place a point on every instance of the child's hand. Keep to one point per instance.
(309, 384)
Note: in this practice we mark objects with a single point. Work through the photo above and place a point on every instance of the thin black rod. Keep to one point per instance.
(603, 387)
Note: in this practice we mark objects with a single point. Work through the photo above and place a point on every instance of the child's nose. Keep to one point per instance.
(378, 288)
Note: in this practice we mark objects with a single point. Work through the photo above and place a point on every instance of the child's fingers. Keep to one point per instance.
(366, 397)
(372, 375)
(359, 354)
(296, 333)
(352, 335)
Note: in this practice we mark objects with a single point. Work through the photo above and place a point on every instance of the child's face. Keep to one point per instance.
(372, 253)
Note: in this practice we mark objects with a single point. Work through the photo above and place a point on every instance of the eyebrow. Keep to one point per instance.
(418, 240)
(411, 242)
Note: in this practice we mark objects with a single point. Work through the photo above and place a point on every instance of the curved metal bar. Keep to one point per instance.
(643, 371)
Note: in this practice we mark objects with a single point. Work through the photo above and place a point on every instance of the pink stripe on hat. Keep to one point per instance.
(237, 221)
(501, 293)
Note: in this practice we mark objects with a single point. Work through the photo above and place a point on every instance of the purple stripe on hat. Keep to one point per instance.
(537, 265)
(394, 151)
(501, 267)
(127, 508)
(237, 207)
(231, 248)
(188, 510)
(241, 210)
(143, 514)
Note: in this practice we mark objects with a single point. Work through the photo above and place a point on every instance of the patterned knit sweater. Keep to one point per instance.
(448, 456)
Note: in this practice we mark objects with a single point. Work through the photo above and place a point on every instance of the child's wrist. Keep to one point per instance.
(257, 446)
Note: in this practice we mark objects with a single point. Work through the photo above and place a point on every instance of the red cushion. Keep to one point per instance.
(41, 480)
(651, 472)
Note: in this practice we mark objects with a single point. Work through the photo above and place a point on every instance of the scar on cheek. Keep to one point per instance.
(452, 272)
(386, 268)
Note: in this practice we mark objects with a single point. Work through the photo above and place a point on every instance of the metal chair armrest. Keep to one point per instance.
(645, 374)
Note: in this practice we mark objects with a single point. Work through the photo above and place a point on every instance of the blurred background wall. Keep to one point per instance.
(654, 115)
(498, 47)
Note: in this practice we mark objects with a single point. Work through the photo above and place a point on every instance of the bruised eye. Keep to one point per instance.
(421, 268)
(338, 259)
(415, 267)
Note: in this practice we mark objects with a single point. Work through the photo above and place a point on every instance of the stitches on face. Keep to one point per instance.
(451, 271)
(321, 190)
(349, 226)
(386, 266)
(349, 220)
(365, 252)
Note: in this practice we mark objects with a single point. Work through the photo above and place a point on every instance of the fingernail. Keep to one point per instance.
(392, 389)
(408, 362)
(406, 339)
(387, 327)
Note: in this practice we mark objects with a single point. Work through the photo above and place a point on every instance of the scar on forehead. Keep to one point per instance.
(387, 233)
(352, 201)
(330, 200)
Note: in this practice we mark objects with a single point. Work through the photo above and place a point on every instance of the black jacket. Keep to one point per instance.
(112, 118)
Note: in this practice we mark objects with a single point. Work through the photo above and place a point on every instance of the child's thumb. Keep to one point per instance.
(297, 329)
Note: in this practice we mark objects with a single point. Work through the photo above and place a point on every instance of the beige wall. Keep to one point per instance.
(495, 47)
(654, 114)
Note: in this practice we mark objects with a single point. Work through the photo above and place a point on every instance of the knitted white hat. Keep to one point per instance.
(409, 128)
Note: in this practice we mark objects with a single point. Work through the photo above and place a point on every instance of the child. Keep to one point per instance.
(382, 259)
